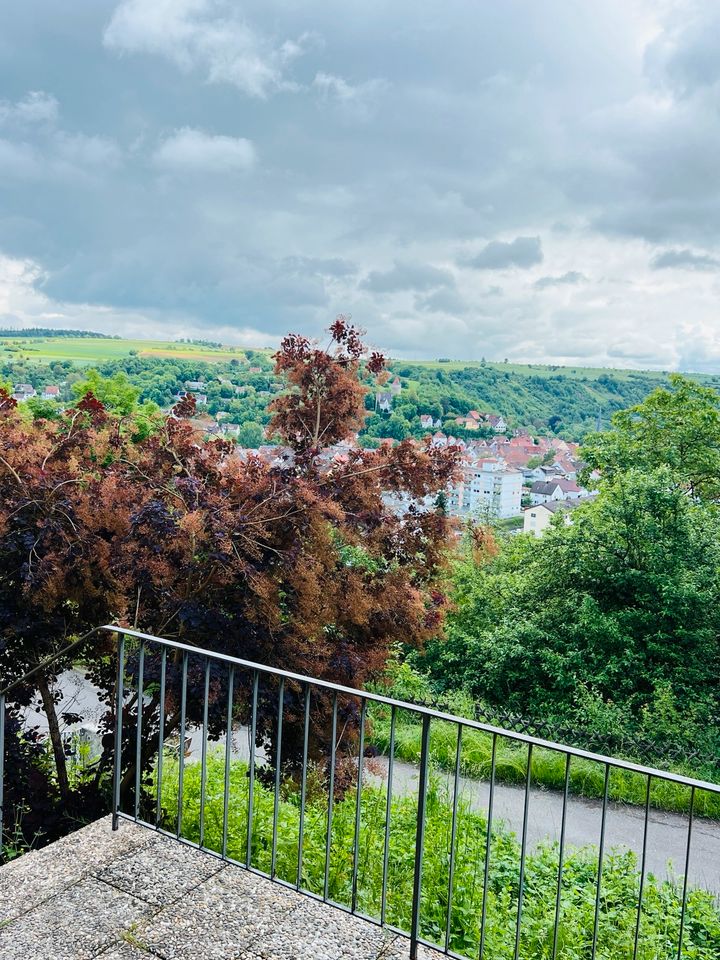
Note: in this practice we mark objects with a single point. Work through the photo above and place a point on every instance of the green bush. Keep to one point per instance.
(660, 919)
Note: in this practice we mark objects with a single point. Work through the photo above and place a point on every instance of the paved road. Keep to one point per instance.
(667, 832)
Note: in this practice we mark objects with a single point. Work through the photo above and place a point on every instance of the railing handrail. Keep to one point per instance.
(428, 714)
(616, 762)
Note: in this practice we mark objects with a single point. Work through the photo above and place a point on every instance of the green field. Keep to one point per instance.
(87, 350)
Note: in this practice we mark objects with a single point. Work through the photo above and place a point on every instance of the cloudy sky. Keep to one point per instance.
(538, 181)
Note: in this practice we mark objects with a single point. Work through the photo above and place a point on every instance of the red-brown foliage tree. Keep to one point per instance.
(297, 563)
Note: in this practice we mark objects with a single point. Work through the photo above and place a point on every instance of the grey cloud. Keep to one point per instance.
(571, 278)
(444, 300)
(523, 252)
(490, 121)
(684, 260)
(685, 55)
(406, 275)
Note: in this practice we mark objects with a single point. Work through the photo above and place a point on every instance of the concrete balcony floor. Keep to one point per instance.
(135, 894)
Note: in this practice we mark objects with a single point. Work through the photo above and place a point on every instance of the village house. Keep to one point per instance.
(543, 491)
(469, 423)
(23, 391)
(194, 385)
(497, 423)
(440, 439)
(51, 393)
(395, 387)
(536, 519)
(566, 467)
(383, 401)
(208, 425)
(200, 398)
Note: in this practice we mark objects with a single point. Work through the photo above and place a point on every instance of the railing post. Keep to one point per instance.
(2, 771)
(420, 837)
(117, 759)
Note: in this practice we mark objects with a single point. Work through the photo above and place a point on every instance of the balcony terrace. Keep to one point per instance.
(134, 894)
(224, 854)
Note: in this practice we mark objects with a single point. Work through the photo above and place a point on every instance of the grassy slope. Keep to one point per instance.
(86, 350)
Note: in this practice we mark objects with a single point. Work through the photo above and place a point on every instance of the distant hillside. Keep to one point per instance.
(568, 401)
(50, 332)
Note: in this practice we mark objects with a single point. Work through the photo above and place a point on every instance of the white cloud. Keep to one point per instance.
(19, 161)
(194, 150)
(35, 107)
(59, 156)
(571, 277)
(207, 35)
(80, 150)
(36, 148)
(357, 99)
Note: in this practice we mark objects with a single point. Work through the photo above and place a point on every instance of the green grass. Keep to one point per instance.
(510, 523)
(84, 351)
(548, 766)
(660, 918)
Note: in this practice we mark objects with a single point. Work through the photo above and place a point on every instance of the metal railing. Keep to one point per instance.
(211, 693)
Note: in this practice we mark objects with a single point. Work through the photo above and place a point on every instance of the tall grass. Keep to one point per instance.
(662, 899)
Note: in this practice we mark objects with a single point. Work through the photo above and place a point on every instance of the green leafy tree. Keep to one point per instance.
(677, 427)
(625, 602)
(116, 393)
(251, 434)
(43, 409)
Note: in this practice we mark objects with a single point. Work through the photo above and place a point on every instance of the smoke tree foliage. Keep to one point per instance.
(297, 563)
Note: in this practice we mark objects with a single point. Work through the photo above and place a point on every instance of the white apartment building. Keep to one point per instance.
(487, 488)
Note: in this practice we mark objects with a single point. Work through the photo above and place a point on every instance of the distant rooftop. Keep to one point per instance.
(135, 894)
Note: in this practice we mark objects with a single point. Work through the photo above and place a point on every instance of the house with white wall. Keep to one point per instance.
(536, 519)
